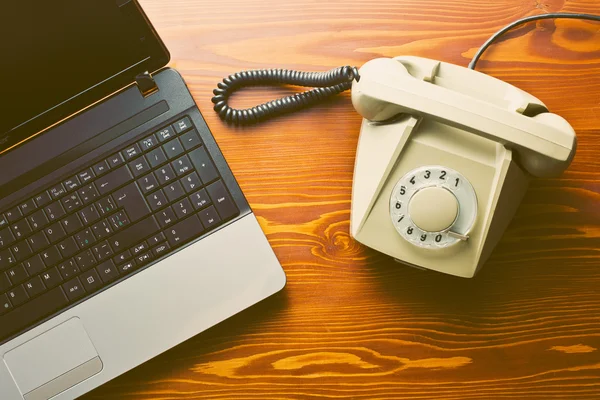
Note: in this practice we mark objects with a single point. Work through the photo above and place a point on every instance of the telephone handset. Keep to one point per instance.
(444, 158)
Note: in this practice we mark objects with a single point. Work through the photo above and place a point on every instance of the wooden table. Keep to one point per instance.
(351, 323)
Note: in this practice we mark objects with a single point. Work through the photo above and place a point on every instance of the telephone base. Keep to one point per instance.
(450, 160)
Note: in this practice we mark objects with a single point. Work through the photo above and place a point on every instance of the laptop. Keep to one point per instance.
(122, 229)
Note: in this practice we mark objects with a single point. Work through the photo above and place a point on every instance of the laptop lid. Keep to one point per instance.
(60, 56)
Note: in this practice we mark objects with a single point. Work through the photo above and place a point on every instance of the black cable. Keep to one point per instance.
(326, 84)
(521, 21)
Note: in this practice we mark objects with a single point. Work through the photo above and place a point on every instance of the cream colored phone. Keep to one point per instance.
(444, 158)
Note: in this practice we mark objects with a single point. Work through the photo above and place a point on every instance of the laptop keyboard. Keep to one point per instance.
(106, 221)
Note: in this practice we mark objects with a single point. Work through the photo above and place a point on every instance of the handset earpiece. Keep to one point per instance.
(545, 144)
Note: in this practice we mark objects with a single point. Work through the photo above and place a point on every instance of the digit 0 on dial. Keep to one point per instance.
(433, 206)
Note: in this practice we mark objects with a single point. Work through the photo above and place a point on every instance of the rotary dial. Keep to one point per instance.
(433, 207)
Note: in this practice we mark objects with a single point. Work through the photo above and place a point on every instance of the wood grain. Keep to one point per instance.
(351, 323)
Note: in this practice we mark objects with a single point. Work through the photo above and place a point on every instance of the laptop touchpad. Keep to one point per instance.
(54, 361)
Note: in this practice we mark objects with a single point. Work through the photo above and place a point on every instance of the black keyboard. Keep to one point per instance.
(106, 221)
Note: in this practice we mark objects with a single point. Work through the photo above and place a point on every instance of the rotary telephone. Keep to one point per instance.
(444, 158)
(445, 153)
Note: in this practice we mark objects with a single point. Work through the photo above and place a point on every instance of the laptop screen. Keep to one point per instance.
(59, 56)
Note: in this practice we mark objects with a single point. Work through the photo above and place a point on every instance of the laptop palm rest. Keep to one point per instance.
(53, 361)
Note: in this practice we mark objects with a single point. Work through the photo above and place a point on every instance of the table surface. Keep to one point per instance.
(351, 323)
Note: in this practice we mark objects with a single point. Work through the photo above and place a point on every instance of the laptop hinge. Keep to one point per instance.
(145, 83)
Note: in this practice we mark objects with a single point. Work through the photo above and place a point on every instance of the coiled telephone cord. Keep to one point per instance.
(325, 84)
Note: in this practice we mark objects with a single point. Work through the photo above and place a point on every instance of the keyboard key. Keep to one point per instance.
(42, 199)
(119, 220)
(200, 199)
(13, 214)
(68, 269)
(113, 180)
(121, 258)
(86, 176)
(21, 250)
(3, 221)
(57, 191)
(204, 165)
(156, 157)
(5, 306)
(148, 143)
(72, 183)
(88, 194)
(85, 238)
(55, 232)
(71, 202)
(148, 183)
(106, 205)
(34, 310)
(174, 191)
(7, 260)
(130, 198)
(107, 271)
(51, 278)
(131, 152)
(28, 207)
(165, 174)
(101, 230)
(38, 220)
(143, 258)
(165, 134)
(73, 289)
(34, 265)
(51, 256)
(173, 148)
(34, 287)
(182, 165)
(101, 168)
(161, 250)
(68, 247)
(190, 140)
(38, 242)
(139, 167)
(184, 231)
(209, 217)
(134, 234)
(115, 160)
(6, 237)
(91, 281)
(4, 283)
(157, 200)
(140, 248)
(17, 296)
(127, 267)
(222, 199)
(89, 215)
(71, 224)
(102, 251)
(183, 208)
(156, 239)
(85, 260)
(54, 211)
(191, 182)
(182, 125)
(17, 274)
(21, 229)
(166, 217)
